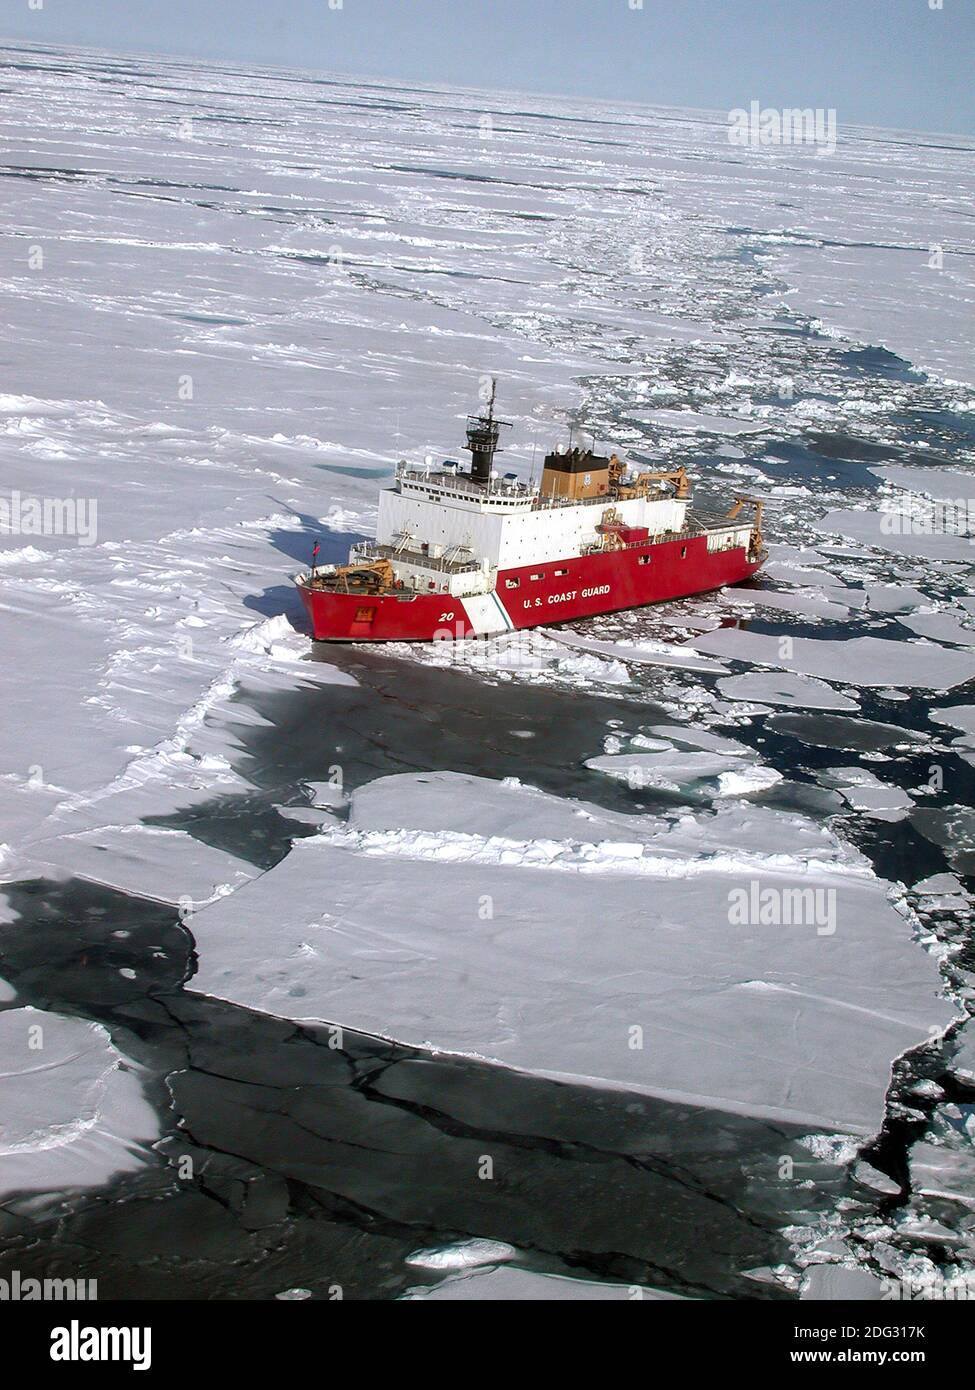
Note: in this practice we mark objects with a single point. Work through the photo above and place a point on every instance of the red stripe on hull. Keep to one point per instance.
(414, 618)
(561, 591)
(604, 583)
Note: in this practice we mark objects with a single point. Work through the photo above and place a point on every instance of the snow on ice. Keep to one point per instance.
(73, 1116)
(546, 953)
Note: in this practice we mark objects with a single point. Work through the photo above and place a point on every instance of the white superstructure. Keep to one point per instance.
(443, 518)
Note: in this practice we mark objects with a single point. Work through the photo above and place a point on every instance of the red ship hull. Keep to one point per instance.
(537, 595)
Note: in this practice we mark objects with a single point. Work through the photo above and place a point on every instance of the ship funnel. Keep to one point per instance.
(482, 440)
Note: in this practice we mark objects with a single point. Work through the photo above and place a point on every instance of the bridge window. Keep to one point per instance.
(538, 576)
(511, 583)
(558, 573)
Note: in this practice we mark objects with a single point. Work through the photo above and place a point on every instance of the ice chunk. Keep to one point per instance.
(155, 862)
(706, 424)
(893, 598)
(803, 691)
(668, 770)
(947, 1173)
(73, 1116)
(805, 604)
(963, 1062)
(951, 827)
(826, 1281)
(959, 717)
(869, 661)
(897, 532)
(837, 731)
(745, 780)
(865, 792)
(872, 1177)
(940, 627)
(524, 1285)
(937, 884)
(465, 1254)
(693, 737)
(945, 484)
(645, 653)
(441, 802)
(522, 954)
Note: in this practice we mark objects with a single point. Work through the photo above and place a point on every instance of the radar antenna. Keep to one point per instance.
(482, 439)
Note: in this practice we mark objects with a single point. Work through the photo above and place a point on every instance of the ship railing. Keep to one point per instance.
(454, 482)
(722, 523)
(604, 499)
(360, 554)
(684, 534)
(508, 489)
(600, 548)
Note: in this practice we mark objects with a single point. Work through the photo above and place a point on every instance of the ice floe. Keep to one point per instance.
(804, 692)
(607, 956)
(870, 661)
(526, 1285)
(897, 531)
(73, 1113)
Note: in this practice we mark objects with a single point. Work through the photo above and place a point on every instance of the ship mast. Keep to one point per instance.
(482, 439)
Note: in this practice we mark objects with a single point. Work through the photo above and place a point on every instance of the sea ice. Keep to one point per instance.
(940, 627)
(828, 1281)
(804, 692)
(73, 1114)
(506, 1283)
(959, 717)
(871, 661)
(689, 736)
(942, 1172)
(742, 781)
(466, 1254)
(809, 604)
(843, 733)
(889, 531)
(646, 653)
(561, 958)
(669, 770)
(963, 1062)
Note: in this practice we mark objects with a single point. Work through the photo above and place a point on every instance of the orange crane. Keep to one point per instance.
(641, 483)
(743, 500)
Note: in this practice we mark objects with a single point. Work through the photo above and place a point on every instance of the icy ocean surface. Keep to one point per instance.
(411, 973)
